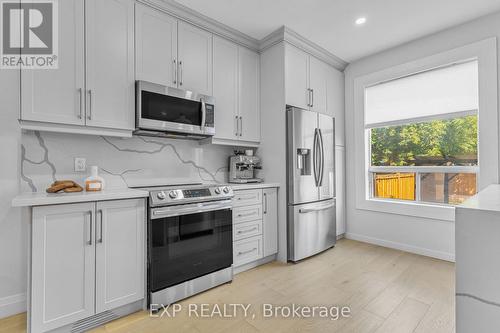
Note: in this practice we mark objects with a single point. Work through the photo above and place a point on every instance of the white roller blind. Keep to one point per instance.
(426, 95)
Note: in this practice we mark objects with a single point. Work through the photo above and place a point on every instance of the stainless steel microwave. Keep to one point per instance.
(168, 111)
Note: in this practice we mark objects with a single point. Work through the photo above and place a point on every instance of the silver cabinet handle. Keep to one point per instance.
(265, 203)
(312, 98)
(244, 215)
(80, 92)
(89, 116)
(241, 126)
(180, 73)
(91, 214)
(245, 252)
(310, 210)
(175, 71)
(203, 114)
(308, 97)
(100, 226)
(237, 126)
(246, 231)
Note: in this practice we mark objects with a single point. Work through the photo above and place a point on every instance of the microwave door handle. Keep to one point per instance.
(203, 114)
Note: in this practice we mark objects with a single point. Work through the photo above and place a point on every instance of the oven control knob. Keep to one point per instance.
(226, 190)
(161, 195)
(172, 194)
(217, 190)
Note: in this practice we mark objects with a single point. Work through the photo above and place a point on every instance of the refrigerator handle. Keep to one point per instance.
(322, 158)
(315, 156)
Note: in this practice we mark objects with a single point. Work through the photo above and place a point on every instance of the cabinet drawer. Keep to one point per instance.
(247, 229)
(247, 198)
(245, 214)
(247, 250)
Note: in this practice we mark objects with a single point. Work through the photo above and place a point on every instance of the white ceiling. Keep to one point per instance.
(330, 23)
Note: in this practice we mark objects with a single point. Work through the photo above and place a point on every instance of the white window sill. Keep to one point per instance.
(422, 210)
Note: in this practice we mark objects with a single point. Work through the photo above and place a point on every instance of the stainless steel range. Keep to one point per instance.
(189, 241)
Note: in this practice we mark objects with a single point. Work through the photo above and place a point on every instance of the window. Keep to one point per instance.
(422, 134)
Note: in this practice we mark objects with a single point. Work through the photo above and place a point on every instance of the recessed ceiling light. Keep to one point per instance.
(360, 20)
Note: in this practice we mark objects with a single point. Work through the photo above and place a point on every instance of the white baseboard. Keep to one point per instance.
(12, 305)
(403, 247)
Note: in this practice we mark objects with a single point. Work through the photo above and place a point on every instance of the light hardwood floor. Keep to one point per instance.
(387, 291)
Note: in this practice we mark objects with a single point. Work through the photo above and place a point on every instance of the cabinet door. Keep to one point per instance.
(195, 59)
(318, 78)
(335, 102)
(120, 263)
(249, 101)
(110, 63)
(155, 46)
(296, 77)
(56, 96)
(340, 188)
(225, 88)
(270, 221)
(62, 265)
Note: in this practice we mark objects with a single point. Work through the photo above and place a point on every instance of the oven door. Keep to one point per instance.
(161, 108)
(189, 241)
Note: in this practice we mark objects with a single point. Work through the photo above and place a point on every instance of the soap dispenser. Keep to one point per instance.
(94, 183)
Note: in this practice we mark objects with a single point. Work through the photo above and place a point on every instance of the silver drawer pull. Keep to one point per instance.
(245, 252)
(243, 215)
(248, 230)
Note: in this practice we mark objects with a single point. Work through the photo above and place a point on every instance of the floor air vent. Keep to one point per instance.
(94, 321)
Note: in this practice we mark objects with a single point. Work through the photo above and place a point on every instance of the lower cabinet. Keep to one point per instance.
(255, 225)
(85, 258)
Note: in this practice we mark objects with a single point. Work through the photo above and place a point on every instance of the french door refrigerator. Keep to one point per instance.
(310, 182)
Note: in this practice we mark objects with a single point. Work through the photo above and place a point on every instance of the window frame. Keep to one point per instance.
(485, 53)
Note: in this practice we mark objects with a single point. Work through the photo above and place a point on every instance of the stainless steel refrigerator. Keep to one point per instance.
(310, 182)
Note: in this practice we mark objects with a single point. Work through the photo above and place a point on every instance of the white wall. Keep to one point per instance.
(420, 235)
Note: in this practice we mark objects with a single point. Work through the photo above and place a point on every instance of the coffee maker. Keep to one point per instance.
(242, 168)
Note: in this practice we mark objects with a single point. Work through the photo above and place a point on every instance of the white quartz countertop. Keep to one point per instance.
(487, 199)
(250, 186)
(43, 198)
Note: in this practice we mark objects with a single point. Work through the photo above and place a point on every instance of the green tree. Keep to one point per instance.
(445, 139)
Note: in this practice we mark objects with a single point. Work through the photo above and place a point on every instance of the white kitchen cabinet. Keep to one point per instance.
(248, 93)
(335, 102)
(120, 265)
(93, 90)
(340, 189)
(255, 227)
(155, 46)
(56, 96)
(86, 258)
(62, 265)
(318, 83)
(237, 94)
(110, 63)
(297, 77)
(270, 221)
(226, 88)
(195, 58)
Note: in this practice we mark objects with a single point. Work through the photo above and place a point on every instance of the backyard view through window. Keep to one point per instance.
(423, 136)
(439, 143)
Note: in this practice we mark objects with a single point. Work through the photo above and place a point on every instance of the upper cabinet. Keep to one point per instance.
(93, 89)
(195, 59)
(171, 52)
(236, 90)
(110, 64)
(314, 85)
(155, 46)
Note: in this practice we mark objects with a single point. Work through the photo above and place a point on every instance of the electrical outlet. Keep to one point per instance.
(80, 164)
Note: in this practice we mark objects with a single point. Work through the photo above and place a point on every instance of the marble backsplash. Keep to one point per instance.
(122, 162)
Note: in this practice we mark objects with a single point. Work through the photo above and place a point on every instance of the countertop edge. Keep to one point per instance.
(44, 199)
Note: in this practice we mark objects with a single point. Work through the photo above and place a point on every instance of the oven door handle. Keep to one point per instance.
(157, 213)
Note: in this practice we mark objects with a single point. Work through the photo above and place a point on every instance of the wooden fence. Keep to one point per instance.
(395, 186)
